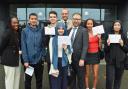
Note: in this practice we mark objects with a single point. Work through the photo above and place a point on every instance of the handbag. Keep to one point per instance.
(101, 54)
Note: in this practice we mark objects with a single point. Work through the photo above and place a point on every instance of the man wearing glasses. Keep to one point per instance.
(79, 40)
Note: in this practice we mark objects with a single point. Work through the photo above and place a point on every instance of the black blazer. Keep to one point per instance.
(10, 54)
(115, 54)
(47, 56)
(80, 44)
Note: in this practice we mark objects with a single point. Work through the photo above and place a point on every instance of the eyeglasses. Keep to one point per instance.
(76, 19)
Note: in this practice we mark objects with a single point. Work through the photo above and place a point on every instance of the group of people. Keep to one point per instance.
(81, 57)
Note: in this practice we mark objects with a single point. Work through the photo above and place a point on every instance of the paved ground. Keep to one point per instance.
(101, 83)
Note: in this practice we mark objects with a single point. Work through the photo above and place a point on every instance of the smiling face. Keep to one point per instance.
(33, 20)
(89, 24)
(61, 31)
(53, 18)
(117, 26)
(65, 14)
(14, 24)
(76, 20)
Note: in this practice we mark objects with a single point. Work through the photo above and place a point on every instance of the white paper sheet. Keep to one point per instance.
(49, 31)
(114, 38)
(29, 70)
(60, 50)
(64, 40)
(98, 30)
(20, 52)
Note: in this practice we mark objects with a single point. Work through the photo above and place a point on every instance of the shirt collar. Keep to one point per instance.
(50, 26)
(75, 27)
(65, 21)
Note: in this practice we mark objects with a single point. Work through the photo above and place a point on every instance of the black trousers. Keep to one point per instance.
(38, 70)
(113, 76)
(77, 78)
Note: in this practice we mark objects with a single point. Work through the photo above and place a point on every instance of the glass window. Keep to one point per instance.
(97, 12)
(91, 11)
(39, 11)
(58, 8)
(108, 12)
(21, 13)
(19, 10)
(73, 10)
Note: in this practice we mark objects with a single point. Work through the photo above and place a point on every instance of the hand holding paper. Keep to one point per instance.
(108, 42)
(49, 31)
(64, 40)
(29, 70)
(114, 38)
(98, 30)
(121, 42)
(53, 72)
(64, 46)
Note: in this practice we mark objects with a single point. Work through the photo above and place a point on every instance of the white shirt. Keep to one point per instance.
(70, 35)
(50, 48)
(60, 51)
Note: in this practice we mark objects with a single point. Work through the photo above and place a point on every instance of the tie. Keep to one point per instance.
(73, 35)
(65, 24)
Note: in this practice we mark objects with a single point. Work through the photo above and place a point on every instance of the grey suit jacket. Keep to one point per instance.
(80, 44)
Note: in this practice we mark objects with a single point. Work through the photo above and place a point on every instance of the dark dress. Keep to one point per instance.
(93, 57)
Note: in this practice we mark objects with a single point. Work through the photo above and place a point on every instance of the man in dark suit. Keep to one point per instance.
(79, 40)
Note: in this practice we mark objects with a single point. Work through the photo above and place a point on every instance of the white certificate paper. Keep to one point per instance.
(114, 38)
(29, 70)
(64, 40)
(98, 30)
(49, 31)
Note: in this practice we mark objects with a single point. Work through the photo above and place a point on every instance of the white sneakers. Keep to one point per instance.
(92, 88)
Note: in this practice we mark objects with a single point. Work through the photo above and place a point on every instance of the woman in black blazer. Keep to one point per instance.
(115, 54)
(10, 54)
